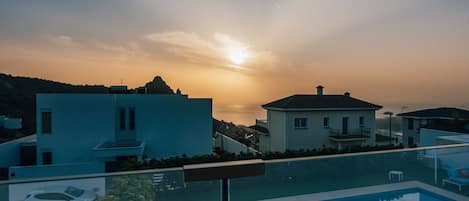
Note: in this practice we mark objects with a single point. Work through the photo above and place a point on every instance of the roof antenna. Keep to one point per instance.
(122, 81)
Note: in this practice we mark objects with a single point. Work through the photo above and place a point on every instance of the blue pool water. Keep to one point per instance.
(413, 194)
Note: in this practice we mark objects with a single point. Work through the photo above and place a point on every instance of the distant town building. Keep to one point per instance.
(424, 127)
(2, 120)
(12, 123)
(318, 121)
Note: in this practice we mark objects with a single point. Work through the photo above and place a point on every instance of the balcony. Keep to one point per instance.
(112, 149)
(352, 135)
(430, 171)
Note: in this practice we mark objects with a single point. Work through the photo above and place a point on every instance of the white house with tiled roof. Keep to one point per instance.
(317, 121)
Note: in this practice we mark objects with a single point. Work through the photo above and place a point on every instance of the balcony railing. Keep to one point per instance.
(434, 171)
(354, 134)
(111, 149)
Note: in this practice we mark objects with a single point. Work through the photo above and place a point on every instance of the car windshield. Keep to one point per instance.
(74, 191)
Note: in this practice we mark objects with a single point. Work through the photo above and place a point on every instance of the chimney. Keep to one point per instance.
(320, 90)
(347, 94)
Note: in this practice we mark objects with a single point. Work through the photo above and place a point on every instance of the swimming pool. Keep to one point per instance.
(402, 191)
(413, 194)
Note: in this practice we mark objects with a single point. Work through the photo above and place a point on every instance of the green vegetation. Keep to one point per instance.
(134, 164)
(130, 187)
(158, 86)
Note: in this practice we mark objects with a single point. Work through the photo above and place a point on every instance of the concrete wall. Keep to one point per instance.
(169, 125)
(406, 132)
(10, 151)
(40, 171)
(283, 134)
(264, 143)
(230, 145)
(429, 137)
(276, 122)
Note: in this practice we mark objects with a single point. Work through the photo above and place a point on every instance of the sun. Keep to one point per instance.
(237, 54)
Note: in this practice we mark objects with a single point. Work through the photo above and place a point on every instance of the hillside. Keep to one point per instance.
(18, 96)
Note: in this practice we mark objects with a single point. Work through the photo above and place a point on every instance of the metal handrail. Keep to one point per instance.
(360, 131)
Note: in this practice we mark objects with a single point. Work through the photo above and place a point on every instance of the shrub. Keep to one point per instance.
(178, 161)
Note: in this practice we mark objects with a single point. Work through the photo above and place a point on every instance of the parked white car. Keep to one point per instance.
(65, 193)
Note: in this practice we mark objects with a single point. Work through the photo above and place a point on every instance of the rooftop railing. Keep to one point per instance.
(439, 170)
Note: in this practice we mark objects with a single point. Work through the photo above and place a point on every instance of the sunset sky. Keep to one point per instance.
(394, 53)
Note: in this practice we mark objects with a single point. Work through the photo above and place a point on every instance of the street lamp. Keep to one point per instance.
(390, 122)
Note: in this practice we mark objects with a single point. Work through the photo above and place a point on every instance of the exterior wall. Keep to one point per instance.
(230, 145)
(12, 123)
(10, 151)
(406, 133)
(169, 125)
(283, 135)
(316, 136)
(429, 137)
(264, 143)
(276, 122)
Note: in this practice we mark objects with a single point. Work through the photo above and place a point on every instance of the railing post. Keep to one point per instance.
(225, 189)
(224, 171)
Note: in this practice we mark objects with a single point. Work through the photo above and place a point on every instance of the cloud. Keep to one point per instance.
(122, 52)
(61, 40)
(214, 51)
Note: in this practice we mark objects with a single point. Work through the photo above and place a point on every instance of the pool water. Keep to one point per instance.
(413, 194)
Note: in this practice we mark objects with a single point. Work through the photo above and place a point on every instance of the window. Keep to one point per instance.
(362, 122)
(410, 124)
(122, 118)
(345, 125)
(132, 118)
(326, 122)
(300, 122)
(46, 125)
(46, 158)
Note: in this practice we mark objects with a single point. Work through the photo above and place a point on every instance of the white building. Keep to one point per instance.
(74, 128)
(423, 127)
(2, 120)
(317, 121)
(12, 123)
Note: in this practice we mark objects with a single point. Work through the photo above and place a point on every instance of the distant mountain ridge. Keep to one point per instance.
(18, 95)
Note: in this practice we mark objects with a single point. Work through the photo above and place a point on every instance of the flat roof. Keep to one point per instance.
(438, 113)
(456, 138)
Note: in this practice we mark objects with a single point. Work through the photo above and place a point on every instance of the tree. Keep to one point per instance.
(158, 86)
(130, 187)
